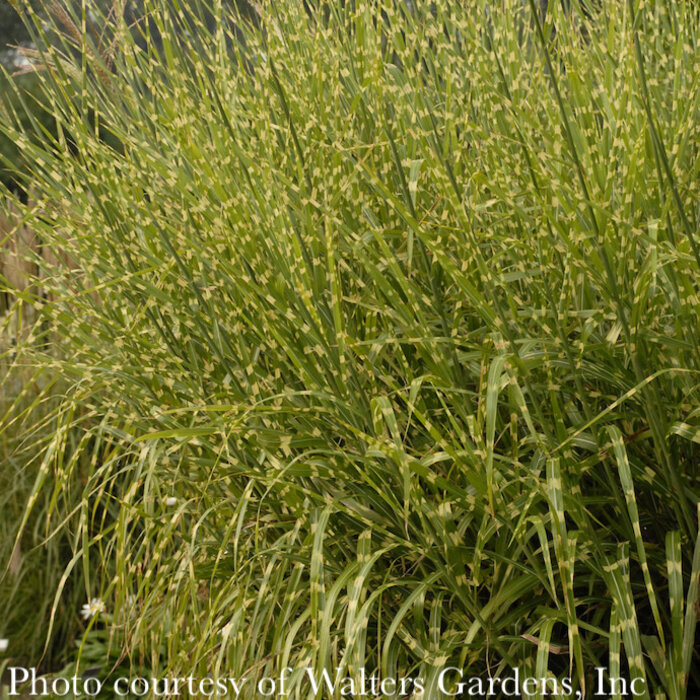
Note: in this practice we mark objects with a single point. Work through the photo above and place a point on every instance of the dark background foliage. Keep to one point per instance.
(20, 94)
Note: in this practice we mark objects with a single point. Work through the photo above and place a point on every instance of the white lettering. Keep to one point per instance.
(235, 684)
(511, 684)
(143, 682)
(442, 684)
(97, 689)
(117, 689)
(66, 686)
(388, 686)
(267, 686)
(528, 687)
(210, 683)
(633, 686)
(283, 679)
(316, 686)
(15, 680)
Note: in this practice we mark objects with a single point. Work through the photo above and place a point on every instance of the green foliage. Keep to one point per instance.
(34, 559)
(384, 322)
(21, 103)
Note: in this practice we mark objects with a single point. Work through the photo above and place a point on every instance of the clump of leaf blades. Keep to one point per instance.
(400, 302)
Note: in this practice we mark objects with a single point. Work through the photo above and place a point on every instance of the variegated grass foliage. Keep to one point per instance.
(382, 339)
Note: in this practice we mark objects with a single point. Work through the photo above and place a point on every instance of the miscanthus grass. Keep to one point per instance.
(379, 327)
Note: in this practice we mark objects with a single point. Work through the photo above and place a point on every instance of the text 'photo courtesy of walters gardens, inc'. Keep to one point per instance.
(349, 349)
(452, 682)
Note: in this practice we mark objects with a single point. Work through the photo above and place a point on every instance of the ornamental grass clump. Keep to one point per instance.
(379, 327)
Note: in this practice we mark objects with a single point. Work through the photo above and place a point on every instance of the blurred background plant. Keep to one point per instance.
(376, 337)
(34, 561)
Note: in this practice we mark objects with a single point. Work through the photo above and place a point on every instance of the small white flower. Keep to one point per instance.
(3, 645)
(170, 501)
(94, 607)
(129, 604)
(226, 630)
